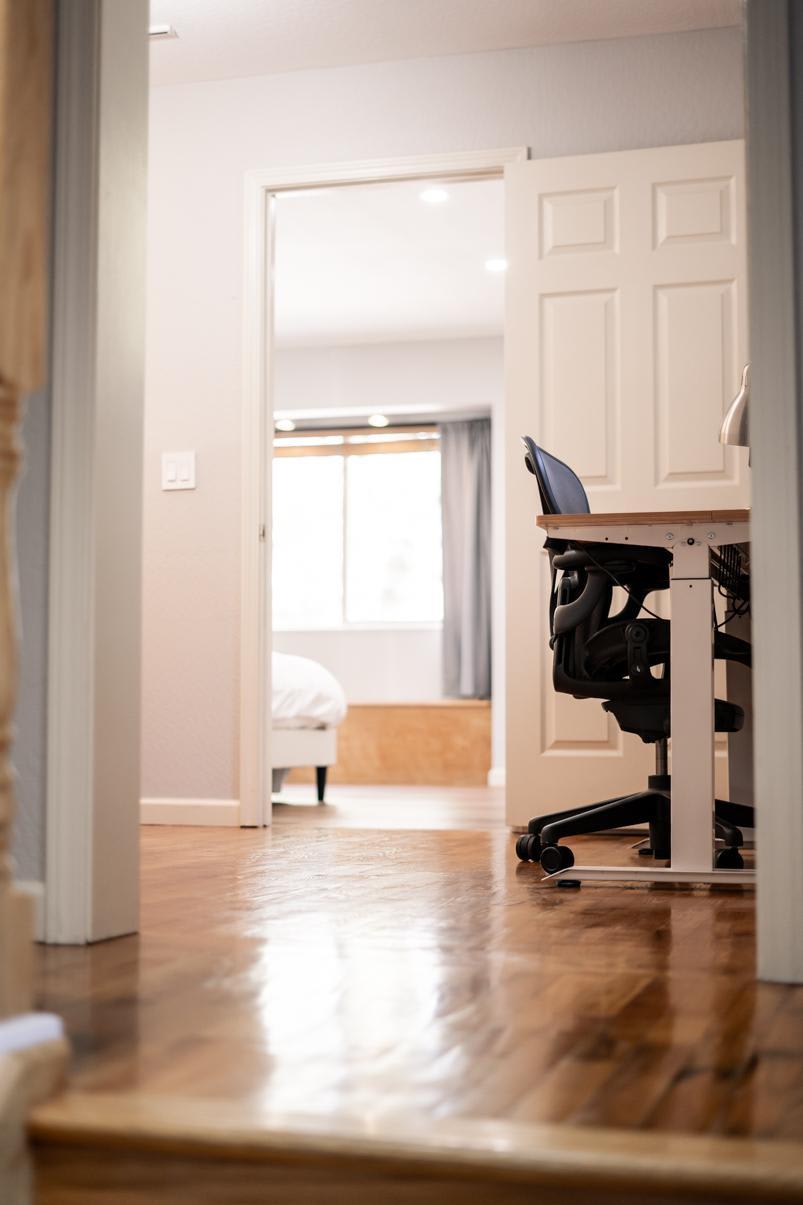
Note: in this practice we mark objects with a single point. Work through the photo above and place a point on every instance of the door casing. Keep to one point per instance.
(257, 426)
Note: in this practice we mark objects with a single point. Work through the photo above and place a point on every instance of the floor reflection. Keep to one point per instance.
(331, 969)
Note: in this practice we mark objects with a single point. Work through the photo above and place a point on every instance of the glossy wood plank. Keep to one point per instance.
(187, 1149)
(346, 971)
(387, 807)
(647, 518)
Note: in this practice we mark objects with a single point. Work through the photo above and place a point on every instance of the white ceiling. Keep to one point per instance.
(224, 39)
(375, 263)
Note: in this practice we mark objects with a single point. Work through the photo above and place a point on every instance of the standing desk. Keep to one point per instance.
(689, 535)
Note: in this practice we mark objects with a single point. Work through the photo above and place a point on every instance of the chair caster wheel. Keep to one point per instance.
(528, 848)
(729, 859)
(569, 883)
(556, 857)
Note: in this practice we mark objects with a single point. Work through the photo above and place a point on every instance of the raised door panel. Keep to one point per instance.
(579, 221)
(574, 724)
(694, 211)
(579, 381)
(696, 370)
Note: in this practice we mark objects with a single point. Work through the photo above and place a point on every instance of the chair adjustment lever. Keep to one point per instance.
(637, 637)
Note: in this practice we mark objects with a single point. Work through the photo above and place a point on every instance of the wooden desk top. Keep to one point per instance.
(644, 518)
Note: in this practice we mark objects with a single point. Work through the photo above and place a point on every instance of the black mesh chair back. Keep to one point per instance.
(560, 488)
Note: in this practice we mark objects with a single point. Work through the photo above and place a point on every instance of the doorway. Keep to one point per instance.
(387, 382)
(277, 362)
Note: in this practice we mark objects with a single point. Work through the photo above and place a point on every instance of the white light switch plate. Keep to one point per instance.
(178, 470)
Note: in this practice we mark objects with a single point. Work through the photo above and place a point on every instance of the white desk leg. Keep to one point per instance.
(692, 707)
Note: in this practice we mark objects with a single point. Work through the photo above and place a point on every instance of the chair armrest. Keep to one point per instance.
(615, 558)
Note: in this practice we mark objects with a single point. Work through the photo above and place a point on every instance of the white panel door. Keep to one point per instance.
(625, 338)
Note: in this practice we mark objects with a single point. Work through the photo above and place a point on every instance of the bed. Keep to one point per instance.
(308, 706)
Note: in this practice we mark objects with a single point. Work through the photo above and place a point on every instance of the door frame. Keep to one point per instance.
(774, 171)
(261, 187)
(97, 305)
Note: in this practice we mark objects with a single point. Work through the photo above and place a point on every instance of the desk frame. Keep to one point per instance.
(690, 536)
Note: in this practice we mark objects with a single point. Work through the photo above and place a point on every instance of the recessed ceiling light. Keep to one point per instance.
(378, 420)
(285, 424)
(160, 32)
(434, 196)
(496, 265)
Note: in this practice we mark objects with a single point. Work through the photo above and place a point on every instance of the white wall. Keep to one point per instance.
(383, 666)
(556, 99)
(439, 374)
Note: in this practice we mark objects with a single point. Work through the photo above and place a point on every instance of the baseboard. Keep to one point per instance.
(214, 812)
(496, 776)
(36, 890)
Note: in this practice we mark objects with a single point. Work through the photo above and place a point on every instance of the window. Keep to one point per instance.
(357, 529)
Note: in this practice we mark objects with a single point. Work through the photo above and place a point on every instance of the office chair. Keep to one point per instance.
(611, 657)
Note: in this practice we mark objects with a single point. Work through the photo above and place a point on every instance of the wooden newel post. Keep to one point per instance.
(32, 1053)
(15, 913)
(26, 37)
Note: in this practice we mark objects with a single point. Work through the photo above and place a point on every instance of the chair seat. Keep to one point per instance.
(650, 719)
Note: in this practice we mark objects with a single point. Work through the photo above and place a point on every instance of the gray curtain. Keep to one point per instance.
(466, 501)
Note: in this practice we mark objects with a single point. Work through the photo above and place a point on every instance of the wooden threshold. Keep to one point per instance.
(561, 1162)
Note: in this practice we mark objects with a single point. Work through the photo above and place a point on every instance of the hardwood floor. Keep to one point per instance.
(334, 971)
(391, 807)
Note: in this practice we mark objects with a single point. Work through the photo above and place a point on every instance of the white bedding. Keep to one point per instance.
(305, 695)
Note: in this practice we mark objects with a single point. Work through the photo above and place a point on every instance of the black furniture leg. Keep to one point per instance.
(633, 809)
(661, 833)
(540, 822)
(740, 814)
(320, 779)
